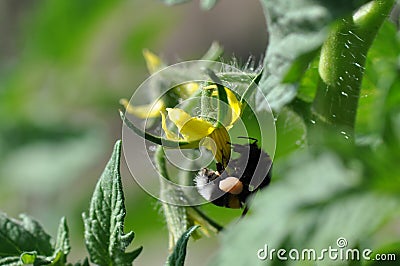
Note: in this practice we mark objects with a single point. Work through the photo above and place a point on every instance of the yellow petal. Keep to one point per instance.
(144, 111)
(188, 89)
(235, 105)
(191, 128)
(168, 133)
(210, 145)
(178, 116)
(154, 63)
(195, 129)
(223, 146)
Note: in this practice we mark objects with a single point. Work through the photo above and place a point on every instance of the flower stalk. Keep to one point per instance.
(179, 218)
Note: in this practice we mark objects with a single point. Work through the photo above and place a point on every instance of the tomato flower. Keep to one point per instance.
(154, 63)
(192, 128)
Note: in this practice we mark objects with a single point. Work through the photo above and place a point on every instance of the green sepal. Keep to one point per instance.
(177, 258)
(251, 88)
(158, 140)
(222, 97)
(214, 52)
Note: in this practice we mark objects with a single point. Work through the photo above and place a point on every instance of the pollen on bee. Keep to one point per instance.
(232, 185)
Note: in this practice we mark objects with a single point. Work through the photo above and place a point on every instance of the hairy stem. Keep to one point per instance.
(341, 66)
(175, 216)
(205, 102)
(178, 218)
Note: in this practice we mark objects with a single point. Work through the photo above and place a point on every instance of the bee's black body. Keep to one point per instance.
(252, 168)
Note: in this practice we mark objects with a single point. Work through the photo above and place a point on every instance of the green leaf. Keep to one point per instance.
(28, 257)
(104, 224)
(32, 258)
(42, 238)
(317, 198)
(341, 67)
(393, 249)
(299, 67)
(58, 259)
(26, 242)
(177, 258)
(381, 74)
(259, 125)
(297, 30)
(10, 261)
(309, 82)
(291, 132)
(17, 237)
(62, 241)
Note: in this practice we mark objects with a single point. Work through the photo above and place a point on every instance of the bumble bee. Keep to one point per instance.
(231, 186)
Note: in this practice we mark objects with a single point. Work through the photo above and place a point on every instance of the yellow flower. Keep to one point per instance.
(152, 110)
(192, 129)
(234, 105)
(144, 111)
(153, 62)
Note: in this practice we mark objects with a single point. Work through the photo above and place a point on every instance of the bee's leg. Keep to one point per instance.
(245, 210)
(220, 168)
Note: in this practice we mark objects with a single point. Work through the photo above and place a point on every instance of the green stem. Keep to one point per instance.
(159, 158)
(156, 139)
(175, 216)
(213, 53)
(178, 218)
(341, 66)
(205, 102)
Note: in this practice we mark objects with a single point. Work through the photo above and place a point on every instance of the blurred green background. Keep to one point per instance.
(63, 67)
